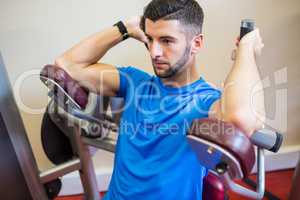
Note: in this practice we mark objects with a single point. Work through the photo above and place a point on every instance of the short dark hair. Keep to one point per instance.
(188, 12)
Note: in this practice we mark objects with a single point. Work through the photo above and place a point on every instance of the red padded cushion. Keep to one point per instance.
(227, 136)
(213, 188)
(61, 77)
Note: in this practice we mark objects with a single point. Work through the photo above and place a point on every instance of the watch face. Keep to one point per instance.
(125, 36)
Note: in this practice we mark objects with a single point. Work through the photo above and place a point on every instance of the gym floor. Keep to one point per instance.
(278, 183)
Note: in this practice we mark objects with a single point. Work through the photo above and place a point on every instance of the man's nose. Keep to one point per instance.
(155, 50)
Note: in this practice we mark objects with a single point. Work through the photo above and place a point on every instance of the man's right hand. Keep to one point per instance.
(253, 39)
(134, 29)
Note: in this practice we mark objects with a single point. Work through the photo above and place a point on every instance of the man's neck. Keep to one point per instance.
(187, 76)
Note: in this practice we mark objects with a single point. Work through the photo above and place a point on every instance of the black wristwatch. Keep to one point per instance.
(123, 30)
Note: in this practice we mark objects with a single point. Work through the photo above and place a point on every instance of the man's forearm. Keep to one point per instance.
(240, 100)
(81, 61)
(90, 50)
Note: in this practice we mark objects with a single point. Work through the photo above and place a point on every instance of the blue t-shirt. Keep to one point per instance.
(153, 159)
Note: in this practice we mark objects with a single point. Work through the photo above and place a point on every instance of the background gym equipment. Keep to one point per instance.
(18, 166)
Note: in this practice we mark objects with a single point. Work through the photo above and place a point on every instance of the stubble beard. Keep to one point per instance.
(174, 69)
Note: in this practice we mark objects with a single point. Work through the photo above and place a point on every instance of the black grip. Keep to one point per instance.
(267, 139)
(277, 145)
(247, 25)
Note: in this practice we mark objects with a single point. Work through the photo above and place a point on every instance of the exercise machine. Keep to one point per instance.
(69, 130)
(226, 151)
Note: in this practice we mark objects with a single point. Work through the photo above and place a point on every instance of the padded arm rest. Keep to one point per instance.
(226, 136)
(52, 74)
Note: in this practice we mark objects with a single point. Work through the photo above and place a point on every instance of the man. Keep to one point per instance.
(153, 159)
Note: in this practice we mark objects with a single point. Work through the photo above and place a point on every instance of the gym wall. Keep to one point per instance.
(34, 33)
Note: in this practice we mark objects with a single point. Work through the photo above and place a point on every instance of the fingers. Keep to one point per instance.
(144, 38)
(233, 55)
(258, 49)
(253, 39)
(259, 43)
(237, 41)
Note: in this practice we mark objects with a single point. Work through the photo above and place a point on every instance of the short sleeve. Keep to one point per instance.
(210, 97)
(207, 96)
(130, 77)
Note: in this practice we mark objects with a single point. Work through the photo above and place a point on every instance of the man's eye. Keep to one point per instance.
(166, 41)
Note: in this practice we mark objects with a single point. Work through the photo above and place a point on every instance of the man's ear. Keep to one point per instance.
(197, 43)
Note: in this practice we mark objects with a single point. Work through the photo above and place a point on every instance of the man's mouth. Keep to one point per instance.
(159, 64)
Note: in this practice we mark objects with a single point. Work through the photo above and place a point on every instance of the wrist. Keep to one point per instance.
(245, 51)
(130, 28)
(246, 46)
(122, 29)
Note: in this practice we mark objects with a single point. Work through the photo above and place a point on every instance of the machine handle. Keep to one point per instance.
(267, 139)
(247, 25)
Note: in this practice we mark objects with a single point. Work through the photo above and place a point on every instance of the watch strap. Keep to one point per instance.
(123, 30)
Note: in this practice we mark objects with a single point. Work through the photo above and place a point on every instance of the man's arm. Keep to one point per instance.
(240, 98)
(81, 60)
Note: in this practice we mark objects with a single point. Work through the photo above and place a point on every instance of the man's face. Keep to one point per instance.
(168, 46)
